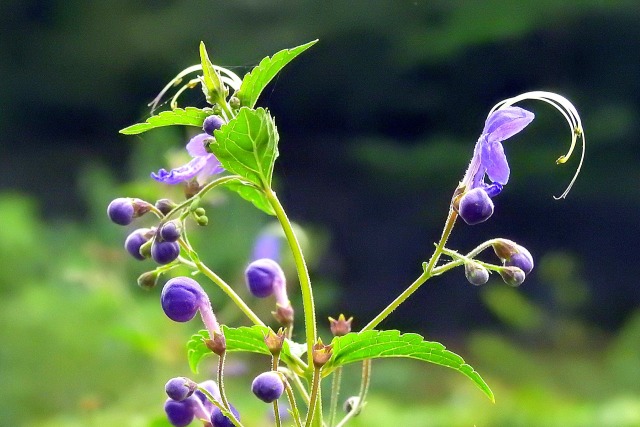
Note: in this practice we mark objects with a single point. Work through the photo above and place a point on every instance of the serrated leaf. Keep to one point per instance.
(356, 347)
(246, 339)
(252, 194)
(189, 116)
(255, 81)
(248, 146)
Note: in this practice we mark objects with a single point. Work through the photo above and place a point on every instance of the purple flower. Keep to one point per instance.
(488, 156)
(203, 164)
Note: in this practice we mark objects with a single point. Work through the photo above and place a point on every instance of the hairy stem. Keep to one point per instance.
(303, 273)
(313, 401)
(335, 393)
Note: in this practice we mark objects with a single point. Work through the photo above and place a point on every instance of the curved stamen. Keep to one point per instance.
(566, 108)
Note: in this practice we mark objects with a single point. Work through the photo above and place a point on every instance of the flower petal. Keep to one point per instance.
(182, 173)
(212, 166)
(195, 146)
(495, 162)
(506, 122)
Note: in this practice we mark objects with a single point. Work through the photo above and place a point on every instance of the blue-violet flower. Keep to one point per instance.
(202, 166)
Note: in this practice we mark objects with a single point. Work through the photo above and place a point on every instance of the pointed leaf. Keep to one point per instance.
(356, 347)
(254, 82)
(251, 194)
(215, 91)
(246, 339)
(189, 116)
(248, 146)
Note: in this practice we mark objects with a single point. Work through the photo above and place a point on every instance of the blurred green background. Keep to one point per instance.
(377, 124)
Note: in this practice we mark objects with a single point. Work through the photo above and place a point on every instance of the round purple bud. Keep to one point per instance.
(181, 298)
(260, 276)
(164, 252)
(135, 240)
(179, 388)
(219, 420)
(476, 274)
(170, 231)
(475, 206)
(521, 259)
(212, 387)
(121, 211)
(267, 386)
(512, 276)
(212, 123)
(179, 414)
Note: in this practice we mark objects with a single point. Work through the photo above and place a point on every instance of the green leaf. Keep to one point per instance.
(255, 81)
(248, 146)
(254, 195)
(189, 116)
(246, 339)
(356, 347)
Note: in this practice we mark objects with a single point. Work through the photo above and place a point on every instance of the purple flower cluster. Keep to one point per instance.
(186, 402)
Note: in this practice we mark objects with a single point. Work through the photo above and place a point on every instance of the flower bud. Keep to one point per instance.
(171, 231)
(262, 276)
(179, 413)
(268, 386)
(135, 240)
(202, 220)
(212, 123)
(219, 420)
(121, 211)
(212, 387)
(476, 274)
(512, 276)
(475, 206)
(350, 404)
(514, 255)
(234, 102)
(164, 252)
(165, 206)
(148, 280)
(180, 388)
(181, 298)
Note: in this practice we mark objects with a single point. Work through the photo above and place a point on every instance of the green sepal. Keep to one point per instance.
(189, 116)
(356, 347)
(252, 194)
(255, 81)
(242, 339)
(248, 146)
(214, 90)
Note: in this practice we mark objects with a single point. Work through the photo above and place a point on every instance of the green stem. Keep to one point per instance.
(229, 291)
(335, 393)
(219, 405)
(276, 410)
(292, 402)
(303, 273)
(223, 395)
(426, 274)
(313, 401)
(364, 388)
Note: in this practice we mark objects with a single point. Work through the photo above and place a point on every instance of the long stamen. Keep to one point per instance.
(566, 108)
(230, 78)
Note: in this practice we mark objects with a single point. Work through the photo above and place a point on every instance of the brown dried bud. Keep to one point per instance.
(321, 353)
(192, 188)
(140, 207)
(148, 280)
(165, 206)
(218, 344)
(284, 315)
(274, 341)
(340, 327)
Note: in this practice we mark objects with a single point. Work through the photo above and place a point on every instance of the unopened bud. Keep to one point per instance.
(202, 220)
(351, 404)
(234, 102)
(476, 274)
(512, 276)
(504, 248)
(165, 206)
(148, 280)
(274, 341)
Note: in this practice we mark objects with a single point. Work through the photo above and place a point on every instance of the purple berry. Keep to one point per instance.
(212, 387)
(261, 275)
(164, 252)
(121, 211)
(181, 298)
(180, 414)
(522, 259)
(475, 206)
(135, 240)
(170, 231)
(267, 386)
(219, 420)
(212, 123)
(179, 388)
